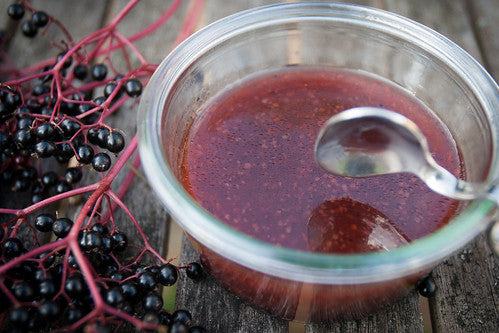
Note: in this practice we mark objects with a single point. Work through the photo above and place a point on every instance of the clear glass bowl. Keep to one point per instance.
(295, 284)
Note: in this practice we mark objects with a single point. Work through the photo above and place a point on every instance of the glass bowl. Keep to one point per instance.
(297, 284)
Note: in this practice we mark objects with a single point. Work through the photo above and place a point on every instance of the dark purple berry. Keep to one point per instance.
(62, 227)
(74, 285)
(44, 131)
(48, 310)
(147, 281)
(73, 315)
(23, 291)
(99, 72)
(49, 178)
(64, 150)
(102, 135)
(151, 318)
(130, 290)
(113, 296)
(80, 71)
(29, 29)
(45, 149)
(73, 175)
(40, 19)
(15, 11)
(69, 127)
(182, 316)
(194, 271)
(84, 154)
(67, 62)
(178, 327)
(44, 222)
(90, 240)
(19, 317)
(120, 241)
(115, 142)
(62, 186)
(47, 289)
(165, 318)
(101, 162)
(133, 87)
(426, 287)
(24, 138)
(152, 301)
(167, 275)
(12, 247)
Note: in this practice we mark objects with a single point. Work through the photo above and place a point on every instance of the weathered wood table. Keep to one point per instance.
(467, 299)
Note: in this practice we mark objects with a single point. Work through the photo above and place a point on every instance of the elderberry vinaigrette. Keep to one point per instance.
(248, 160)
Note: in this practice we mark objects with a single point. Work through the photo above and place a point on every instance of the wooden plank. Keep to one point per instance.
(467, 295)
(485, 19)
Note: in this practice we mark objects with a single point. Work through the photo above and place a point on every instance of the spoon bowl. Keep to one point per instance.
(370, 141)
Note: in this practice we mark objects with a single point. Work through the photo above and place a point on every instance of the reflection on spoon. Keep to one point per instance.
(348, 226)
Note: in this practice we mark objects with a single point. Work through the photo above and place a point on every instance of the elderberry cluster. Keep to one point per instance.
(30, 27)
(51, 290)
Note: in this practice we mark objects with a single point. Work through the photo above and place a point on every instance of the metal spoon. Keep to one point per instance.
(369, 141)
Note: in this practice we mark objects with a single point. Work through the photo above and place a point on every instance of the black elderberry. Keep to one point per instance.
(48, 310)
(178, 327)
(107, 244)
(146, 281)
(101, 162)
(4, 110)
(152, 301)
(45, 131)
(44, 222)
(182, 316)
(47, 260)
(130, 290)
(73, 315)
(29, 29)
(67, 62)
(69, 127)
(117, 275)
(73, 175)
(62, 186)
(19, 316)
(20, 185)
(99, 100)
(45, 149)
(426, 287)
(90, 240)
(99, 72)
(49, 178)
(74, 286)
(151, 318)
(40, 90)
(165, 318)
(110, 88)
(15, 11)
(47, 288)
(28, 172)
(84, 154)
(102, 135)
(92, 135)
(65, 151)
(194, 271)
(40, 19)
(100, 228)
(12, 247)
(133, 87)
(120, 241)
(24, 122)
(5, 140)
(62, 226)
(113, 296)
(167, 275)
(80, 71)
(24, 138)
(23, 291)
(72, 262)
(115, 142)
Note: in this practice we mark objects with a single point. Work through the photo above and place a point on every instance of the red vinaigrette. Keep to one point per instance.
(249, 161)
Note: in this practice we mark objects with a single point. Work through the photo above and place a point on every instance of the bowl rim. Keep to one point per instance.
(291, 264)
